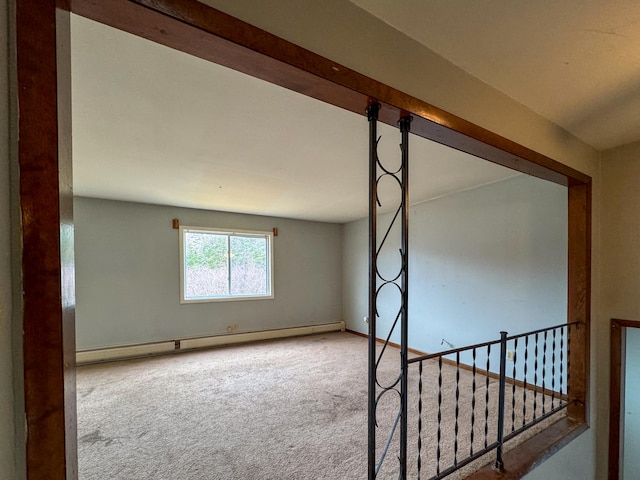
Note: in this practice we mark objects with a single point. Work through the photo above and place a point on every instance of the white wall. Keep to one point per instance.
(480, 261)
(127, 275)
(631, 412)
(338, 30)
(7, 450)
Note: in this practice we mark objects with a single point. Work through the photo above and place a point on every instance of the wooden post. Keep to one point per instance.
(616, 406)
(579, 298)
(46, 206)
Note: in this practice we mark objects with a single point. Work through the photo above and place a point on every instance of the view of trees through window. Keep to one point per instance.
(217, 264)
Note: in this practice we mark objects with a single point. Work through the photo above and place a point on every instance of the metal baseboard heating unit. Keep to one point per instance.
(218, 340)
(118, 353)
(147, 349)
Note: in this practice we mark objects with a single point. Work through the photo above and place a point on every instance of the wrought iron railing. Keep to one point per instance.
(481, 402)
(471, 401)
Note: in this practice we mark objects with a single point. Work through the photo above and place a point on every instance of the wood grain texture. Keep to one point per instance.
(579, 298)
(616, 393)
(47, 257)
(531, 453)
(615, 398)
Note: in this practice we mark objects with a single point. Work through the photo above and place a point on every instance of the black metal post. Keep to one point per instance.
(499, 465)
(405, 124)
(372, 115)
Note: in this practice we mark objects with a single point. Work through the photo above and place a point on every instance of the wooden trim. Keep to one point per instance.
(616, 393)
(579, 299)
(532, 452)
(616, 398)
(626, 323)
(47, 237)
(380, 340)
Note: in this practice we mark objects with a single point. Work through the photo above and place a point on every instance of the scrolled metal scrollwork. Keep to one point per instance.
(379, 282)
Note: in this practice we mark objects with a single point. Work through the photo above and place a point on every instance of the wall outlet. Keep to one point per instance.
(511, 355)
(366, 319)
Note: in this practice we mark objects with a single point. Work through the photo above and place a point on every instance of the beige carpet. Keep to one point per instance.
(285, 409)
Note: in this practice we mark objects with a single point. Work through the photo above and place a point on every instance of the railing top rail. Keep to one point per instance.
(431, 356)
(452, 351)
(541, 330)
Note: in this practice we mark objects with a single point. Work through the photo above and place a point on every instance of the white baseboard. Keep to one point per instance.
(219, 340)
(142, 350)
(117, 353)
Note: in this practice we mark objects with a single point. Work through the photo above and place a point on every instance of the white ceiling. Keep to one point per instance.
(575, 62)
(154, 125)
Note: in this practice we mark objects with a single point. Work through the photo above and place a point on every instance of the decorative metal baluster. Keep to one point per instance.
(561, 361)
(473, 402)
(486, 398)
(513, 386)
(419, 418)
(569, 361)
(544, 370)
(535, 379)
(439, 414)
(448, 461)
(499, 464)
(553, 369)
(524, 386)
(457, 411)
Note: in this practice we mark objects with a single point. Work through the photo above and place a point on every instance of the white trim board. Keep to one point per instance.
(117, 353)
(147, 349)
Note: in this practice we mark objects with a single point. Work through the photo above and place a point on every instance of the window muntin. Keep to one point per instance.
(220, 264)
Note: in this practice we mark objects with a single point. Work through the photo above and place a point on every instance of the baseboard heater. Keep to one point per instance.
(147, 349)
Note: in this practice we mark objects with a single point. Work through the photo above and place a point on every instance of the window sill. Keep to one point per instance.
(532, 452)
(238, 298)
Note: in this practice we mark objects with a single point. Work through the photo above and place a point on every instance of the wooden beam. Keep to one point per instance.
(579, 298)
(47, 237)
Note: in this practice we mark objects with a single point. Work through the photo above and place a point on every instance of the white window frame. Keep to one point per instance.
(229, 232)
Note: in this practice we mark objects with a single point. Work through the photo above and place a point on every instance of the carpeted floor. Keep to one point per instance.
(286, 409)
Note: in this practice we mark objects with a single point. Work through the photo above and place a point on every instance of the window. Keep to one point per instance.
(218, 264)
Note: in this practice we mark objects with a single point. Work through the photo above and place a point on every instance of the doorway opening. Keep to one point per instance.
(45, 183)
(624, 416)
